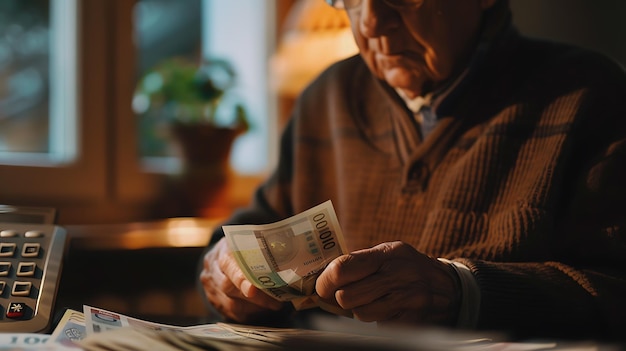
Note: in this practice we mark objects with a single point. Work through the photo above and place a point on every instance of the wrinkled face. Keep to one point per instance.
(415, 45)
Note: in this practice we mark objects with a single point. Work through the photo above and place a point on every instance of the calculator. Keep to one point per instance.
(31, 256)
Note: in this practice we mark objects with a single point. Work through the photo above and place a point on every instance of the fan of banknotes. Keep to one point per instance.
(284, 258)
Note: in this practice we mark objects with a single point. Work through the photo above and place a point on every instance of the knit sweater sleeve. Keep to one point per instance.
(578, 290)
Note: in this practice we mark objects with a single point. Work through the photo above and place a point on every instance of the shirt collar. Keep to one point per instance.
(416, 103)
(435, 98)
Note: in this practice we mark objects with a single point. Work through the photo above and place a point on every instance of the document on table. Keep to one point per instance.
(108, 330)
(98, 329)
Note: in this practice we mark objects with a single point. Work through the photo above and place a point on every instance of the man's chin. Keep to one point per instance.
(404, 80)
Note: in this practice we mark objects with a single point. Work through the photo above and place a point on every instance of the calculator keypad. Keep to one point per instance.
(21, 261)
(25, 254)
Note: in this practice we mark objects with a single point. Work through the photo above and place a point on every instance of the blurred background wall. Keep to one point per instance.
(595, 24)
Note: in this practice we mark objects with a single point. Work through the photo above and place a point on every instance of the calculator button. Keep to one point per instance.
(30, 250)
(8, 233)
(16, 310)
(5, 268)
(7, 249)
(26, 269)
(21, 288)
(33, 234)
(2, 285)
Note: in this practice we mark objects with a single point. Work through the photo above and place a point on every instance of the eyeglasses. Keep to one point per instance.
(343, 4)
(351, 4)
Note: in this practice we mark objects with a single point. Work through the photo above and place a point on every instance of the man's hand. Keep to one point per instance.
(230, 292)
(392, 282)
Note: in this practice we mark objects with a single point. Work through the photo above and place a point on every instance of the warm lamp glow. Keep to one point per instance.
(173, 232)
(315, 36)
(185, 232)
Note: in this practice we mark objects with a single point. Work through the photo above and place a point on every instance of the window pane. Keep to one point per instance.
(37, 81)
(24, 61)
(164, 29)
(243, 33)
(197, 30)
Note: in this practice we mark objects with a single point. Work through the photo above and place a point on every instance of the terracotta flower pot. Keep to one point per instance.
(204, 150)
(203, 145)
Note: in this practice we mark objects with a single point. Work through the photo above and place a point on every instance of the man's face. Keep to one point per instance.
(415, 45)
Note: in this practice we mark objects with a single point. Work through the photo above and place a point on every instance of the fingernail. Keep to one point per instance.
(246, 286)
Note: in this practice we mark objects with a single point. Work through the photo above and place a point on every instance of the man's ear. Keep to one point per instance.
(487, 4)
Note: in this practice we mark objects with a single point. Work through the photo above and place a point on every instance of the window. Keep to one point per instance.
(37, 104)
(196, 29)
(223, 37)
(163, 30)
(42, 151)
(82, 154)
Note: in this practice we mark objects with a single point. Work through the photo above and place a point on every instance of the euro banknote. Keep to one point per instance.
(284, 258)
(70, 330)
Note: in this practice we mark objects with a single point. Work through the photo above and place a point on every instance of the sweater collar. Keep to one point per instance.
(497, 25)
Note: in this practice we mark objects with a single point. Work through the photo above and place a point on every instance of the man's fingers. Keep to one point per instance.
(362, 292)
(230, 267)
(349, 268)
(244, 288)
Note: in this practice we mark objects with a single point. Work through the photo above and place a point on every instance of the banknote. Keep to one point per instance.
(22, 341)
(284, 258)
(111, 331)
(69, 330)
(107, 330)
(98, 320)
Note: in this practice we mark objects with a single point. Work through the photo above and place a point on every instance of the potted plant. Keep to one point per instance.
(196, 104)
(201, 116)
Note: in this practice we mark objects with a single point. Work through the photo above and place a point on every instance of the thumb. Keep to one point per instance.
(349, 268)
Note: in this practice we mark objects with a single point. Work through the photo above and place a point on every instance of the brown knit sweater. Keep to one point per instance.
(523, 180)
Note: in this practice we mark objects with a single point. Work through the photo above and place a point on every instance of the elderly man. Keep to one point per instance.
(478, 177)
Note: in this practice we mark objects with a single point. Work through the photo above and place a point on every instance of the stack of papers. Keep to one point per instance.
(98, 330)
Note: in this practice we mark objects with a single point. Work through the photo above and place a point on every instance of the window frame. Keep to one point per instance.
(106, 182)
(83, 178)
